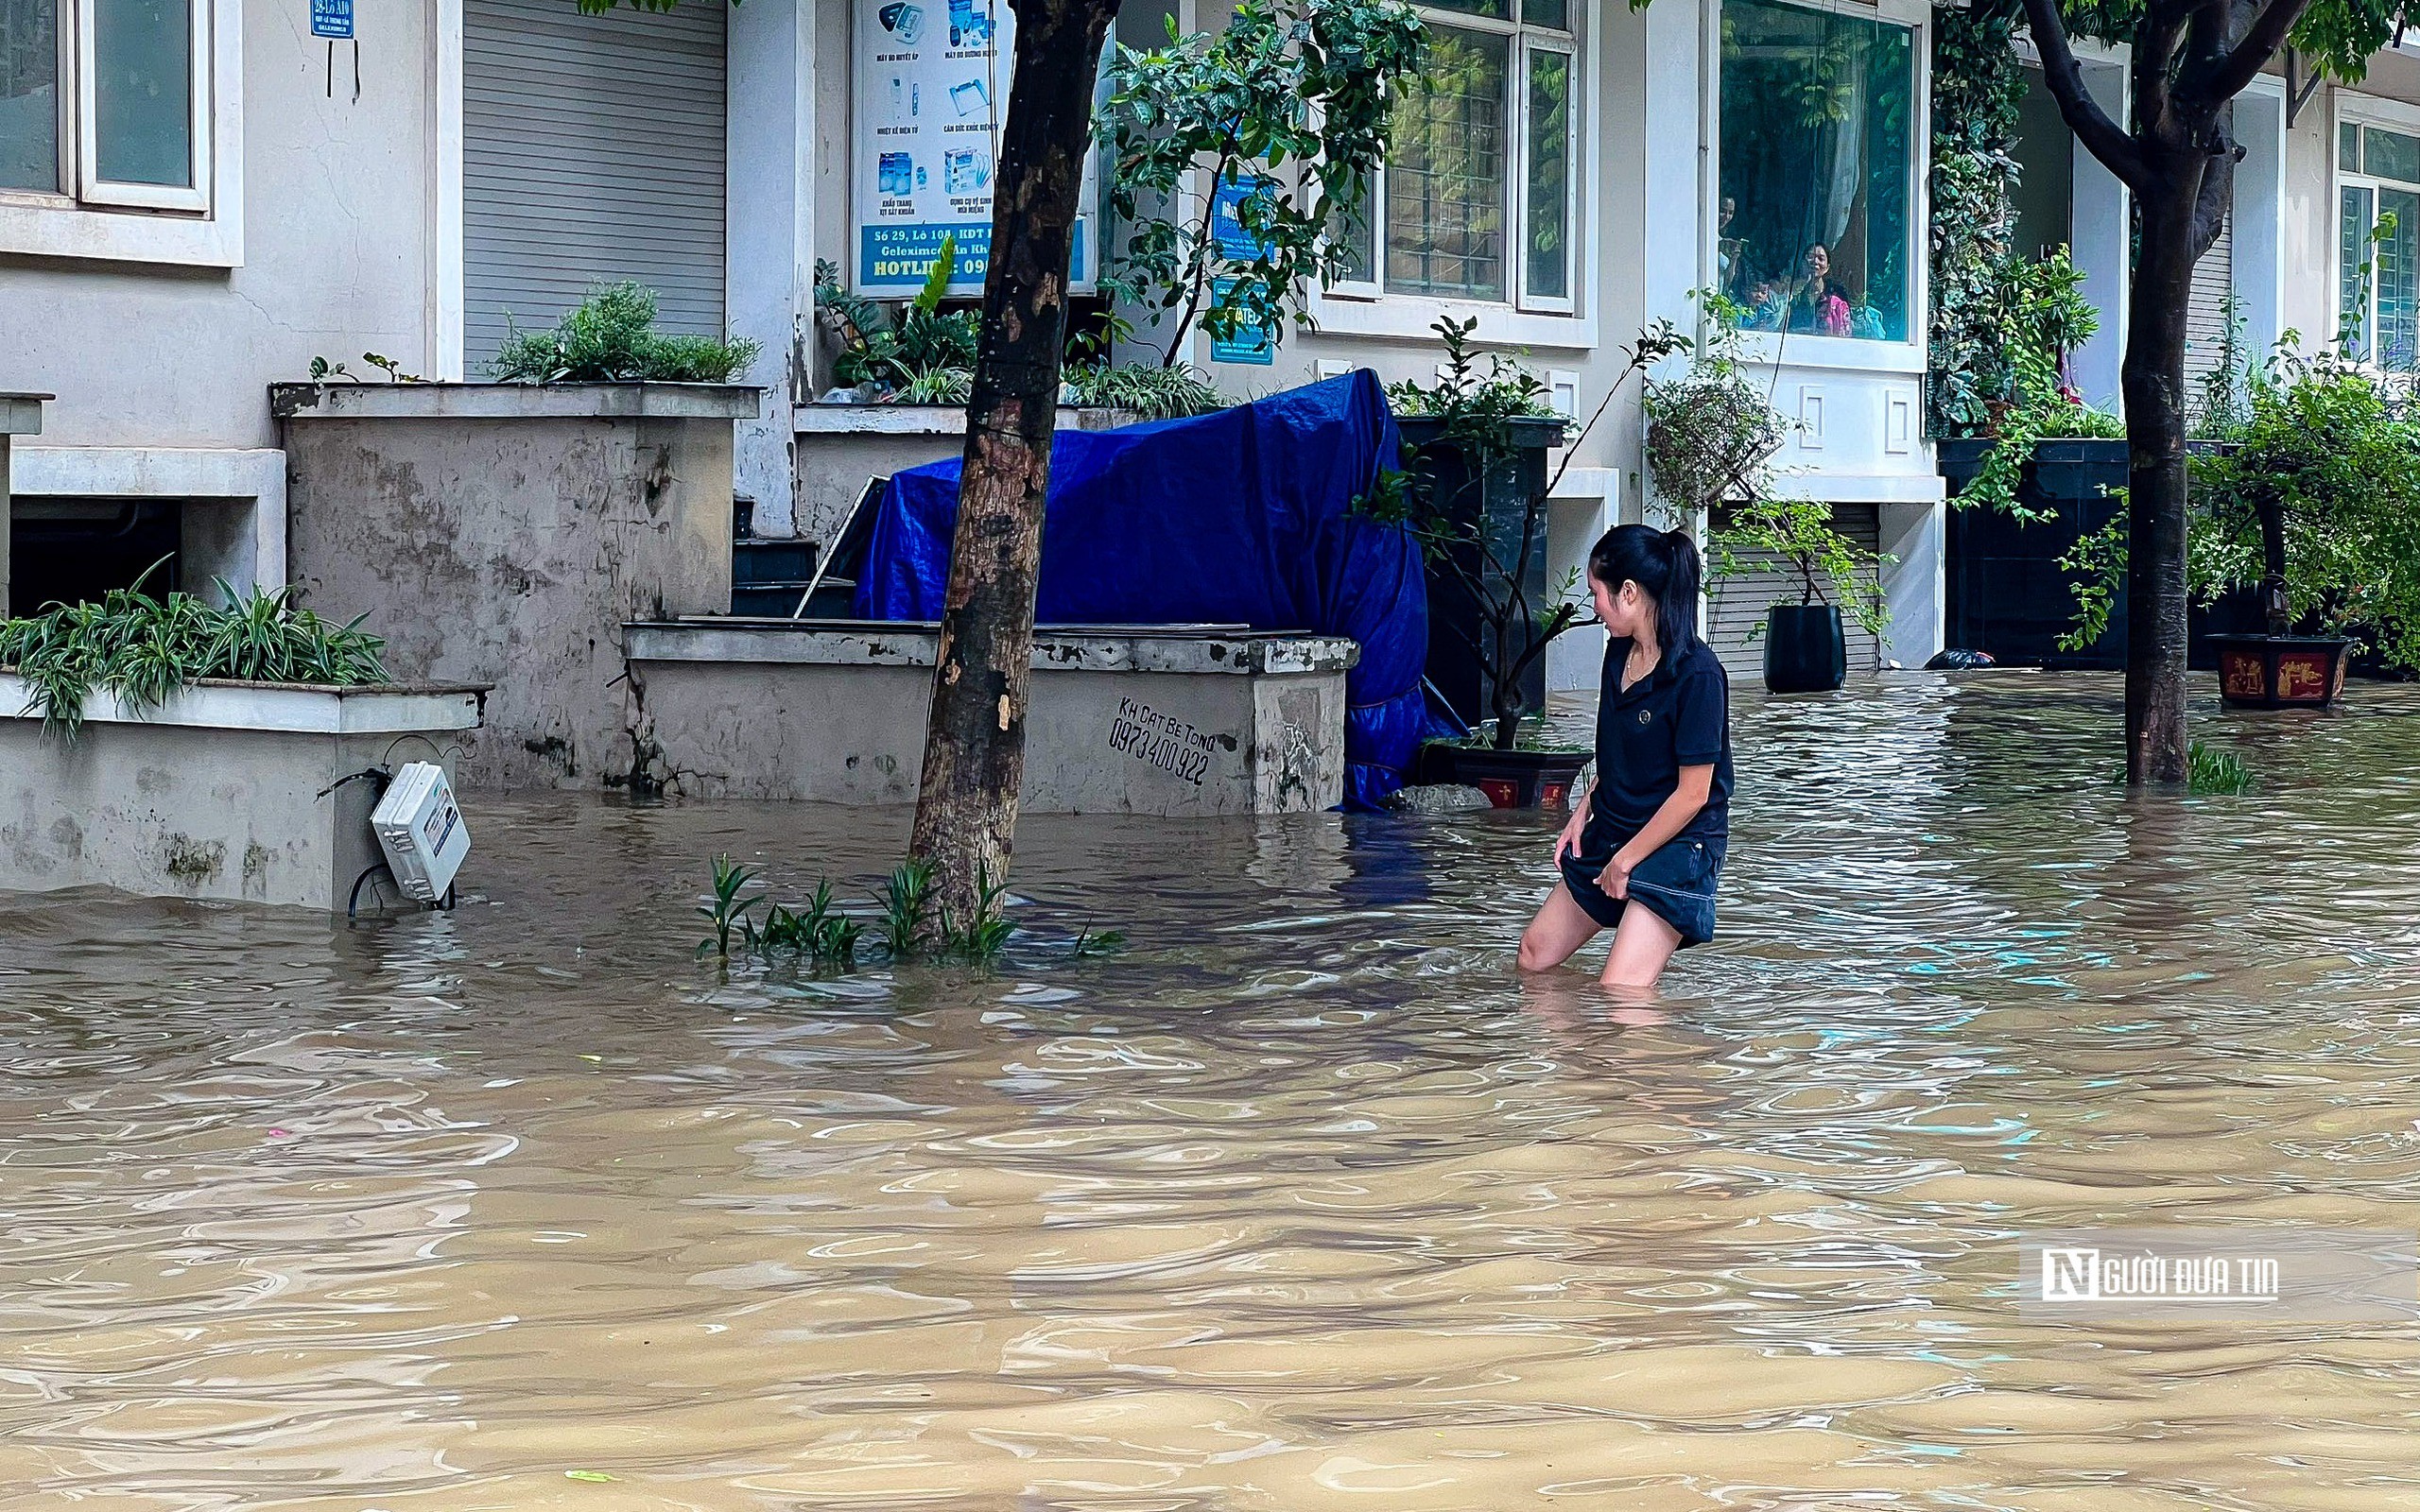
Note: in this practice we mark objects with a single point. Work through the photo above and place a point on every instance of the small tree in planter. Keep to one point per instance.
(1711, 436)
(1482, 526)
(2316, 509)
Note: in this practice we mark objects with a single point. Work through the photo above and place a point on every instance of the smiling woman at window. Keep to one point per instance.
(1817, 166)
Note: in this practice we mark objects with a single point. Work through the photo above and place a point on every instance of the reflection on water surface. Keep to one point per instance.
(1302, 1203)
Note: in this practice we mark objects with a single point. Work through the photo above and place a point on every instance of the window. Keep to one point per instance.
(106, 101)
(1817, 171)
(2378, 269)
(1474, 201)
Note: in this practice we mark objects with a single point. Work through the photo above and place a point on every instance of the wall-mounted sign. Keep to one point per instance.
(932, 91)
(332, 19)
(1227, 224)
(1250, 344)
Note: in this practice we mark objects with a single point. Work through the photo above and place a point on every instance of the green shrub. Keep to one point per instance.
(1154, 393)
(611, 337)
(143, 650)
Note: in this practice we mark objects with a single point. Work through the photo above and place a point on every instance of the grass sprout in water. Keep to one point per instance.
(2211, 771)
(143, 650)
(910, 923)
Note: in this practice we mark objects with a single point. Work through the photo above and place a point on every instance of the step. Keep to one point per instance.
(761, 562)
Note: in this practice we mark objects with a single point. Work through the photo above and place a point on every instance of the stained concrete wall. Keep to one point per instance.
(1169, 724)
(222, 792)
(505, 534)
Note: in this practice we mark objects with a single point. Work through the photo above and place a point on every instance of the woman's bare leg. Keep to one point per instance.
(1642, 946)
(1562, 926)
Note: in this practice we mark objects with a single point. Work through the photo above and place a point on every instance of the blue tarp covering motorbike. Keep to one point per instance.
(1244, 517)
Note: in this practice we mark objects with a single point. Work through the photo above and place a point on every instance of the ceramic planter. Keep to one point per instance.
(1511, 779)
(2280, 671)
(1806, 649)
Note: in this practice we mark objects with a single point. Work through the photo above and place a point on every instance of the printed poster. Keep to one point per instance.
(932, 93)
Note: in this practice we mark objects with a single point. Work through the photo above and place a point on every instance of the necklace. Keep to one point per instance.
(1632, 671)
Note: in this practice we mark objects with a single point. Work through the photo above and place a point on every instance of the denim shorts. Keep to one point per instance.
(1676, 884)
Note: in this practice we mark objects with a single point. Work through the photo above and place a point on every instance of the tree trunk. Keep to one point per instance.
(966, 807)
(2155, 477)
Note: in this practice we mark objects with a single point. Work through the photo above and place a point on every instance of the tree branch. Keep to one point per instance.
(2092, 126)
(2260, 42)
(2217, 193)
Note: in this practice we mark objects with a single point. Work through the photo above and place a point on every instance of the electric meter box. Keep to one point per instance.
(421, 830)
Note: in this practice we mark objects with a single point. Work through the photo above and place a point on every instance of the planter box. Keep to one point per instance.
(840, 446)
(1511, 479)
(504, 533)
(2006, 593)
(1166, 720)
(224, 791)
(2280, 671)
(1511, 779)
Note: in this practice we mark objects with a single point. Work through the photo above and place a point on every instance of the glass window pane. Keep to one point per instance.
(1500, 9)
(1555, 13)
(1356, 236)
(2397, 338)
(2393, 155)
(29, 93)
(1547, 234)
(1817, 149)
(142, 91)
(2353, 272)
(1445, 171)
(2348, 147)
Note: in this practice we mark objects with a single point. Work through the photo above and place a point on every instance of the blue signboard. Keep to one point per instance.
(332, 19)
(1250, 344)
(1226, 220)
(901, 257)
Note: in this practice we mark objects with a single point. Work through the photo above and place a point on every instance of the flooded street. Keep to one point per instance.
(1301, 1202)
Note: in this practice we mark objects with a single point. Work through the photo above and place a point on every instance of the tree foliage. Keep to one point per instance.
(1308, 85)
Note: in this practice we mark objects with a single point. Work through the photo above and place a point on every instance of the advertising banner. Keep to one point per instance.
(932, 91)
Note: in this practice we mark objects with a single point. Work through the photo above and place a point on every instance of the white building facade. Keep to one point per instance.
(198, 198)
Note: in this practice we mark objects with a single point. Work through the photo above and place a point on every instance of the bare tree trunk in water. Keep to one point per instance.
(966, 807)
(2153, 380)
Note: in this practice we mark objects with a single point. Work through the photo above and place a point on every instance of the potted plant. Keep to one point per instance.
(1711, 436)
(1474, 494)
(2316, 509)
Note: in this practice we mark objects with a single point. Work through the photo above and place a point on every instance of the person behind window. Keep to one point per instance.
(1816, 306)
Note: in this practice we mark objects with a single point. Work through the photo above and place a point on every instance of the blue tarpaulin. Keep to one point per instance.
(1244, 517)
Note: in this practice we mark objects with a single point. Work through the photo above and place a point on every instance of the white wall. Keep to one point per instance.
(337, 228)
(771, 252)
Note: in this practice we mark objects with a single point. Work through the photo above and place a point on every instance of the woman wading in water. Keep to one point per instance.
(1644, 848)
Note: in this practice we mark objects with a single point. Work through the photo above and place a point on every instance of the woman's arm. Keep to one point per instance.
(1689, 796)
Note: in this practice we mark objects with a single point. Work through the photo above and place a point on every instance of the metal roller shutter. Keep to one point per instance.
(592, 152)
(1735, 606)
(2205, 312)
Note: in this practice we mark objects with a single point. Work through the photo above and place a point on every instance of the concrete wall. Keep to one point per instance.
(1180, 725)
(840, 446)
(222, 792)
(509, 548)
(336, 204)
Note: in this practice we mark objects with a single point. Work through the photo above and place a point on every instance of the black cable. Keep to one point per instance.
(353, 900)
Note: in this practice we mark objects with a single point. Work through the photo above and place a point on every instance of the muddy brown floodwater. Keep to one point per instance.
(1302, 1203)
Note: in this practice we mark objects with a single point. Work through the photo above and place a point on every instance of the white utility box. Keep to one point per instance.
(421, 830)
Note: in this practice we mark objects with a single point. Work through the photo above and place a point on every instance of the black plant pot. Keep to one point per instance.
(1805, 650)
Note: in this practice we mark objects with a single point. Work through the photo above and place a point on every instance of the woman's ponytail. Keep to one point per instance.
(1676, 605)
(1665, 565)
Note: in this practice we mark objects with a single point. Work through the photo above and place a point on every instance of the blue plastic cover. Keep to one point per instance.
(1244, 517)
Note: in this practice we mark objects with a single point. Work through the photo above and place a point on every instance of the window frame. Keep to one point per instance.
(1523, 37)
(201, 226)
(1908, 354)
(2363, 112)
(91, 188)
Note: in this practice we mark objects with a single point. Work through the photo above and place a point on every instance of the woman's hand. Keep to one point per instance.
(1613, 881)
(1569, 839)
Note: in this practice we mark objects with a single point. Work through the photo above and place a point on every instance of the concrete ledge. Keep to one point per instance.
(1177, 650)
(925, 420)
(233, 791)
(282, 707)
(340, 401)
(21, 414)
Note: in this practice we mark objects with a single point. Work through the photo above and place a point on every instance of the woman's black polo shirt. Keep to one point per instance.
(1677, 715)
